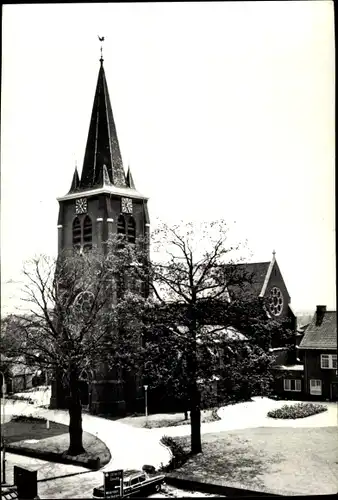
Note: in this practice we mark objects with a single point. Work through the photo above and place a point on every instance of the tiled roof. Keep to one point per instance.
(257, 272)
(323, 336)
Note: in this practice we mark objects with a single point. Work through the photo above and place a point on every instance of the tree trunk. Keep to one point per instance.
(194, 396)
(195, 421)
(75, 418)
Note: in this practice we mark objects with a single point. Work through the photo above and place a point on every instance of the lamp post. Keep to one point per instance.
(3, 390)
(146, 399)
(47, 421)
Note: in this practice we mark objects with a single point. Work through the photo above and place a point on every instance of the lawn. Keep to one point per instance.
(159, 420)
(295, 461)
(30, 436)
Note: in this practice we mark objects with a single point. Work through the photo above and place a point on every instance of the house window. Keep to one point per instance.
(316, 387)
(294, 385)
(328, 361)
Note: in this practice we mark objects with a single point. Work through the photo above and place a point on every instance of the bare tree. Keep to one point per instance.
(198, 291)
(71, 320)
(190, 274)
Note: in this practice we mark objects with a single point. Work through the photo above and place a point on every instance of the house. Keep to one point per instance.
(318, 350)
(19, 376)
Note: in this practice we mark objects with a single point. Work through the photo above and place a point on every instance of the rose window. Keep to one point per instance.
(83, 302)
(276, 301)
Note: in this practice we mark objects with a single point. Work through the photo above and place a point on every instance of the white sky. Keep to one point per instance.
(224, 110)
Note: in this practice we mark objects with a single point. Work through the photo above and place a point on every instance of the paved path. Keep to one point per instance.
(132, 447)
(129, 447)
(254, 414)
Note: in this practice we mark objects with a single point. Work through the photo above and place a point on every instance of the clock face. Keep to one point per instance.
(81, 205)
(127, 205)
(276, 301)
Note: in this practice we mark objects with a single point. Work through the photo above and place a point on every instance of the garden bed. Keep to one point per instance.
(299, 410)
(29, 436)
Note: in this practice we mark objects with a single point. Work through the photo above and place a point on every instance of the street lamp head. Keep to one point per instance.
(145, 387)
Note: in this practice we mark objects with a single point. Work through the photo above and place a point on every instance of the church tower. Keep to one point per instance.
(104, 201)
(99, 204)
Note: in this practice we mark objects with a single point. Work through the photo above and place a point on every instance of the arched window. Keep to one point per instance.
(87, 233)
(121, 225)
(76, 233)
(131, 230)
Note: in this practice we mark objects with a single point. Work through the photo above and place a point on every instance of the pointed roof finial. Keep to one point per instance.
(273, 254)
(129, 179)
(101, 38)
(75, 181)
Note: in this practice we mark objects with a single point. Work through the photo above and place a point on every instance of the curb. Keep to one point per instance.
(92, 464)
(195, 485)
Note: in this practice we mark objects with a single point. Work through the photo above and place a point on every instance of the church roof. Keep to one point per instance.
(102, 143)
(321, 334)
(256, 273)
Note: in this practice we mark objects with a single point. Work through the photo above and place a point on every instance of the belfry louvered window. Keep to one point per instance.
(121, 225)
(131, 230)
(87, 233)
(77, 233)
(82, 234)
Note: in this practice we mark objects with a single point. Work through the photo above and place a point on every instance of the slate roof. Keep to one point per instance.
(102, 142)
(323, 336)
(257, 272)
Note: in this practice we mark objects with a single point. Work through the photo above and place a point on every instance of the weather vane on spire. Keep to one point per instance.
(101, 38)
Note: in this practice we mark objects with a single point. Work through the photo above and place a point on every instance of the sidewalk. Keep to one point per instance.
(254, 414)
(56, 480)
(132, 447)
(129, 447)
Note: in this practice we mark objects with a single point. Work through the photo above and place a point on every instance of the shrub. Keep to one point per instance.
(299, 410)
(22, 398)
(179, 455)
(27, 418)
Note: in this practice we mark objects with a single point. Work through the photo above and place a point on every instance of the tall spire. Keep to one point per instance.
(102, 144)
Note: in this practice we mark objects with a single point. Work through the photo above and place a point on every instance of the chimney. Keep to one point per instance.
(320, 312)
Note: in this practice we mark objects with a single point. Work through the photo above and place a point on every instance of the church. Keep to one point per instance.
(102, 202)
